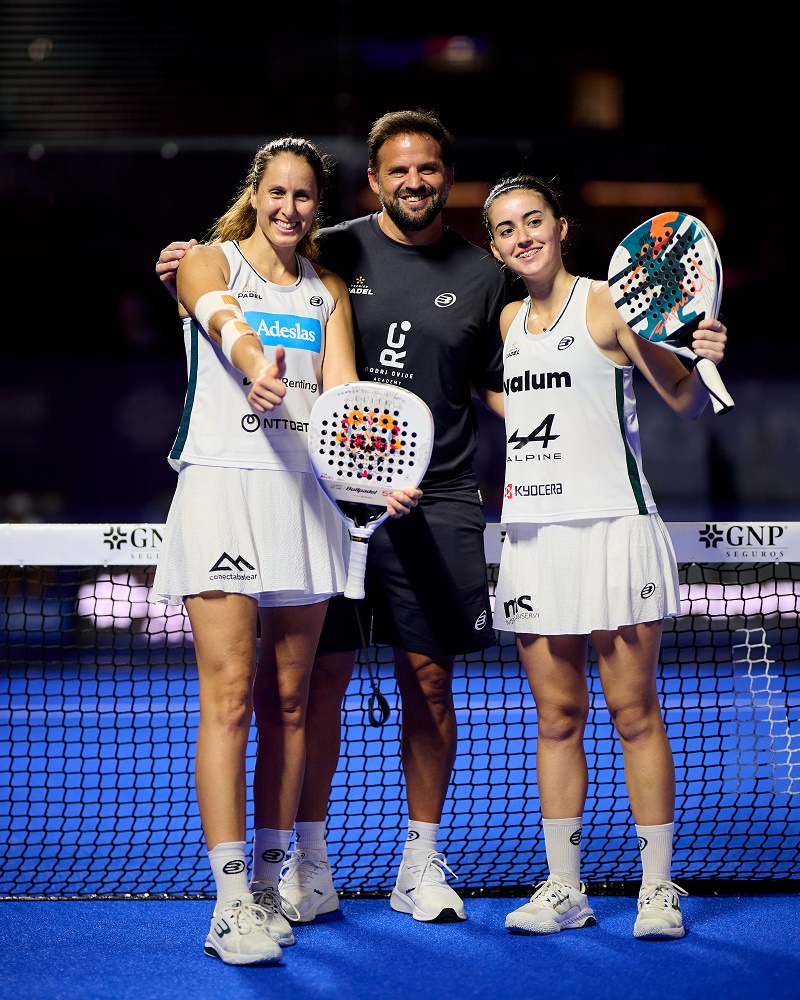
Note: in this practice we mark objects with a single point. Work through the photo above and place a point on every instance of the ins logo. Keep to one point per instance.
(518, 605)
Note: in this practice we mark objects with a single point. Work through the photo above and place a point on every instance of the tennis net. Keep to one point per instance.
(99, 709)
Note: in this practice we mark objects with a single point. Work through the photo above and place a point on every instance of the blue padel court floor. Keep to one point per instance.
(736, 948)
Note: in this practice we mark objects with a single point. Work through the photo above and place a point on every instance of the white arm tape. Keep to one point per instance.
(231, 332)
(212, 302)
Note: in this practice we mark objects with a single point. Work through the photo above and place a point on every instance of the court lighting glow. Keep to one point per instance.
(614, 194)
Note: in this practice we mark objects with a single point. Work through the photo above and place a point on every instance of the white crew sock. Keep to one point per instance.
(312, 837)
(655, 846)
(420, 842)
(562, 843)
(270, 848)
(229, 867)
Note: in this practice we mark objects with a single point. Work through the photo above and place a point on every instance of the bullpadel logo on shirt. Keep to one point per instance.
(302, 332)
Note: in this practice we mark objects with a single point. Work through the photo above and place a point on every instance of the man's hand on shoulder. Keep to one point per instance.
(167, 264)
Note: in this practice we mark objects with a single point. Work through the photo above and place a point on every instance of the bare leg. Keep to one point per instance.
(329, 680)
(224, 628)
(556, 670)
(628, 659)
(429, 731)
(288, 642)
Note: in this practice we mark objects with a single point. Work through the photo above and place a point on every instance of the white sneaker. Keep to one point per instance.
(239, 936)
(306, 887)
(422, 890)
(268, 897)
(554, 906)
(659, 911)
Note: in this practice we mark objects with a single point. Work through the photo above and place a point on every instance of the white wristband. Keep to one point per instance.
(212, 302)
(231, 332)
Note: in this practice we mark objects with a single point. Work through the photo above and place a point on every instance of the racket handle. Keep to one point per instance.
(356, 567)
(721, 399)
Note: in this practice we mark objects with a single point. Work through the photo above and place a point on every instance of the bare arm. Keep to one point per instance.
(681, 390)
(205, 270)
(339, 363)
(494, 400)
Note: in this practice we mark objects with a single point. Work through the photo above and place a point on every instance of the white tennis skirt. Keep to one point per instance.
(575, 577)
(272, 535)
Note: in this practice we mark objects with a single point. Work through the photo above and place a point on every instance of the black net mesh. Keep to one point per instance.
(99, 708)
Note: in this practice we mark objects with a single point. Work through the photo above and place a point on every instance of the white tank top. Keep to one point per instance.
(218, 426)
(572, 432)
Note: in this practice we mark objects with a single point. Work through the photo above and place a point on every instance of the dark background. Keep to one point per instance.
(124, 126)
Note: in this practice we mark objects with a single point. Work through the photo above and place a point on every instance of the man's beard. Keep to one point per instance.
(414, 222)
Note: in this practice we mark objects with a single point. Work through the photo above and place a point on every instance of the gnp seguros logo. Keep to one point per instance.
(139, 542)
(744, 541)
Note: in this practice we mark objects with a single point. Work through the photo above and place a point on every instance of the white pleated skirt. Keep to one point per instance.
(575, 577)
(272, 535)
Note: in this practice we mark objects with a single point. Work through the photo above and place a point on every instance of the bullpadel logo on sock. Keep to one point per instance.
(233, 867)
(273, 855)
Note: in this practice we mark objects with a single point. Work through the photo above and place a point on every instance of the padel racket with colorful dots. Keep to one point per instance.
(665, 277)
(366, 440)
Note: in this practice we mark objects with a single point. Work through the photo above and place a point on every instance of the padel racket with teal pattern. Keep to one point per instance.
(665, 277)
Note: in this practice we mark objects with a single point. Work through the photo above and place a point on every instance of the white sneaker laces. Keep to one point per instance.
(551, 891)
(434, 869)
(271, 901)
(299, 869)
(246, 917)
(660, 894)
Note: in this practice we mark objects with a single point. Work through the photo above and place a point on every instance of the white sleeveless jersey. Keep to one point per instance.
(218, 426)
(572, 432)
